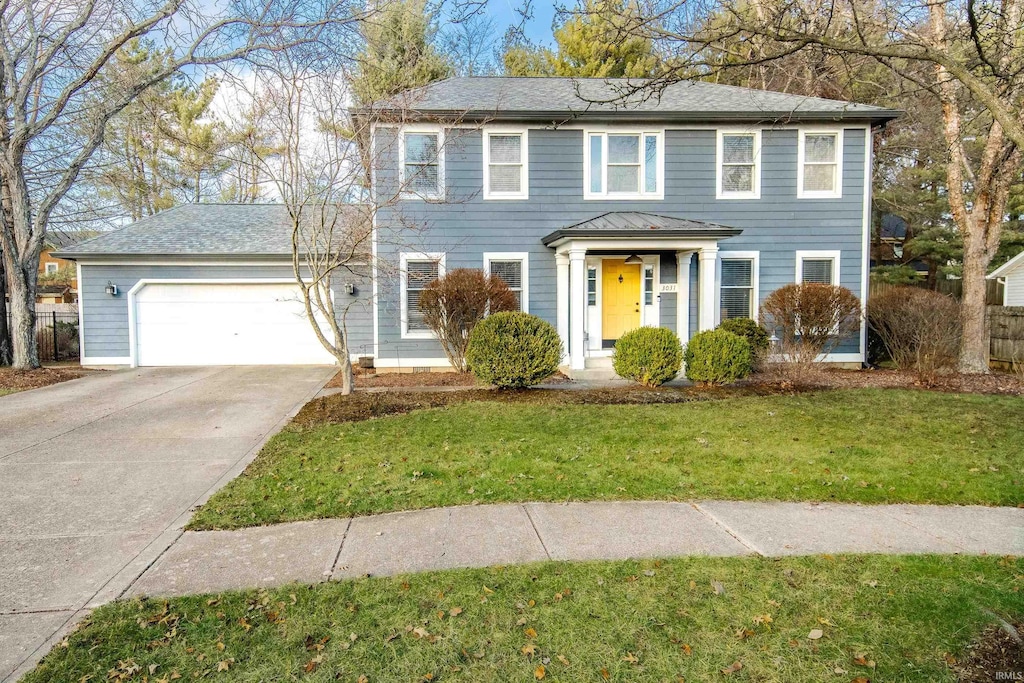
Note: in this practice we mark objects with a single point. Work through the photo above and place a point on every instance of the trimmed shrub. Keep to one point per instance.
(718, 357)
(456, 302)
(648, 355)
(810, 319)
(755, 334)
(920, 329)
(513, 350)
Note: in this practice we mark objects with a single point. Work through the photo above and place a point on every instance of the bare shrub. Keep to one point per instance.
(919, 328)
(810, 319)
(453, 304)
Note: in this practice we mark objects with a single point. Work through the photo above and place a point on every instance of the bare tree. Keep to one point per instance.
(57, 103)
(974, 58)
(317, 156)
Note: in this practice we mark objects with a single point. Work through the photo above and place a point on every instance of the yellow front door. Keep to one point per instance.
(620, 298)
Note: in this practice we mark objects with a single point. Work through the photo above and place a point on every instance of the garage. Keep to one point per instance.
(221, 323)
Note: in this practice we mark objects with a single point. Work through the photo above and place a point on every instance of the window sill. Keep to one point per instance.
(738, 195)
(622, 197)
(819, 195)
(416, 196)
(491, 196)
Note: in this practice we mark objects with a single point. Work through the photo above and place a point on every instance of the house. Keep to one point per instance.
(1012, 275)
(57, 283)
(603, 214)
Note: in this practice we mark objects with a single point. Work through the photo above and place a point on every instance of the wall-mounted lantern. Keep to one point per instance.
(350, 288)
(111, 288)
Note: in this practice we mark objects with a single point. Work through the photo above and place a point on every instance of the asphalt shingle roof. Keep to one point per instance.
(640, 224)
(544, 98)
(198, 229)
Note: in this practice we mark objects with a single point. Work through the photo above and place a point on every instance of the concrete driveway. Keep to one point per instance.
(99, 475)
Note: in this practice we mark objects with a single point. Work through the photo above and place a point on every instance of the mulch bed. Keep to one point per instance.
(995, 656)
(366, 405)
(368, 379)
(20, 380)
(825, 378)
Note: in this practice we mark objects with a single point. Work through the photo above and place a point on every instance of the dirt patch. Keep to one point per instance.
(21, 380)
(366, 405)
(367, 379)
(995, 656)
(818, 377)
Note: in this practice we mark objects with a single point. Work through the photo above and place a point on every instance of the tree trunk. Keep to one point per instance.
(5, 331)
(346, 373)
(974, 347)
(23, 315)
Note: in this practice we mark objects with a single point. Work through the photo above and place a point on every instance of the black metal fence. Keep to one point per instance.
(56, 335)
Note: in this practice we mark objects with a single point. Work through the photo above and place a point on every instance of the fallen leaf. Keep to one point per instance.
(362, 679)
(529, 649)
(862, 660)
(455, 611)
(687, 650)
(562, 659)
(530, 633)
(540, 672)
(631, 658)
(732, 668)
(605, 675)
(224, 665)
(861, 679)
(815, 634)
(719, 588)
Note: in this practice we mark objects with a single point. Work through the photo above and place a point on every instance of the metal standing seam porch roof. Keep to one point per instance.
(547, 99)
(618, 224)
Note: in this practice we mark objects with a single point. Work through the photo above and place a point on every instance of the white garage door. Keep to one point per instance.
(224, 324)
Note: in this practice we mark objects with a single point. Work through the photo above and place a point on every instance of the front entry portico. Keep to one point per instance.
(609, 281)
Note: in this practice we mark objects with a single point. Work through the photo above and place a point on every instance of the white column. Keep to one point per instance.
(577, 307)
(683, 295)
(562, 300)
(706, 309)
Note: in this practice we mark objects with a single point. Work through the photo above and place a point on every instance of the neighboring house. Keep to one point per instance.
(676, 211)
(1012, 275)
(57, 276)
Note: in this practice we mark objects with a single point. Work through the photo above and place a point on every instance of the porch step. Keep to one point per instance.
(598, 369)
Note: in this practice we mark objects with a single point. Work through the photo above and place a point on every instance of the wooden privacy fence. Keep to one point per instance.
(1006, 328)
(955, 288)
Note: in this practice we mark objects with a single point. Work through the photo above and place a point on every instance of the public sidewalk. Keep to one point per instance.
(485, 535)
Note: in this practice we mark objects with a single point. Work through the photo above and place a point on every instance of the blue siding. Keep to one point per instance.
(777, 225)
(105, 317)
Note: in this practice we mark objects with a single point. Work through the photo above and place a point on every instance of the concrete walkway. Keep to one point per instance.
(485, 535)
(99, 475)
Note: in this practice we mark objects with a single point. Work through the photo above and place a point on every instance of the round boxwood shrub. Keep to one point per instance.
(755, 334)
(717, 357)
(512, 350)
(648, 355)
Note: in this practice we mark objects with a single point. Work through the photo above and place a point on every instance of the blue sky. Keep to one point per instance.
(538, 29)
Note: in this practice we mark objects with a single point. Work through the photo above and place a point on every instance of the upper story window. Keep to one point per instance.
(818, 267)
(513, 269)
(820, 164)
(623, 165)
(506, 164)
(52, 268)
(738, 171)
(421, 158)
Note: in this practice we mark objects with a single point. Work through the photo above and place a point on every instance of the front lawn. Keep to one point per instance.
(803, 620)
(870, 446)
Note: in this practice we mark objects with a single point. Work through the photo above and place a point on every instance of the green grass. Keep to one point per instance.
(869, 446)
(621, 621)
(5, 392)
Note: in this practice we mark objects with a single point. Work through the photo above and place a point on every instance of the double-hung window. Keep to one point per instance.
(820, 164)
(623, 165)
(506, 164)
(818, 267)
(739, 286)
(739, 164)
(513, 269)
(418, 271)
(52, 268)
(422, 163)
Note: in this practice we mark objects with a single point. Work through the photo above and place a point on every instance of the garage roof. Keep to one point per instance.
(197, 230)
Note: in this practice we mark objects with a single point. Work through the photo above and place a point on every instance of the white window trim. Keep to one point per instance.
(56, 268)
(832, 254)
(627, 196)
(524, 295)
(837, 193)
(439, 257)
(407, 194)
(719, 158)
(524, 150)
(754, 256)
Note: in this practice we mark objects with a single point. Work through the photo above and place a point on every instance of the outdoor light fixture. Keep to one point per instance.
(350, 288)
(633, 259)
(620, 278)
(111, 288)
